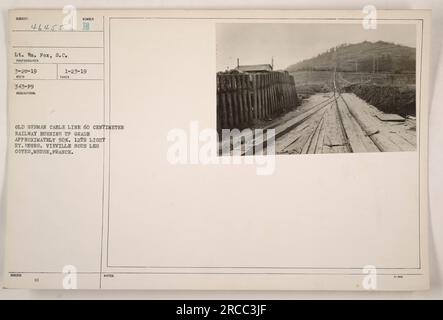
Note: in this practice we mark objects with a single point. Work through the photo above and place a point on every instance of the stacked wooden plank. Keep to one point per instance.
(358, 139)
(343, 124)
(387, 136)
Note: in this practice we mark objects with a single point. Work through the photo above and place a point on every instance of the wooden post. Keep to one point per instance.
(255, 95)
(250, 97)
(230, 101)
(236, 104)
(224, 103)
(277, 93)
(281, 93)
(247, 104)
(265, 93)
(261, 96)
(294, 92)
(268, 95)
(219, 104)
(288, 98)
(272, 87)
(288, 84)
(245, 80)
(243, 98)
(238, 100)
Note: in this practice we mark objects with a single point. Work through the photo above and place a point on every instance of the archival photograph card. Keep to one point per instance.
(217, 150)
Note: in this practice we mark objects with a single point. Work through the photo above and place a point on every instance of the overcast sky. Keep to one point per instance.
(290, 43)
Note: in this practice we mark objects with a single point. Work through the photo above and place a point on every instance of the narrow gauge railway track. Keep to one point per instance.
(337, 122)
(345, 124)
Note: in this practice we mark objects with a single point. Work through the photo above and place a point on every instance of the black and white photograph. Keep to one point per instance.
(270, 152)
(322, 87)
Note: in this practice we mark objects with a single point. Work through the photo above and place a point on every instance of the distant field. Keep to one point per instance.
(310, 82)
(377, 78)
(312, 77)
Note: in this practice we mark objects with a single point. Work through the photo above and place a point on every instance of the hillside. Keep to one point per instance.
(362, 57)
